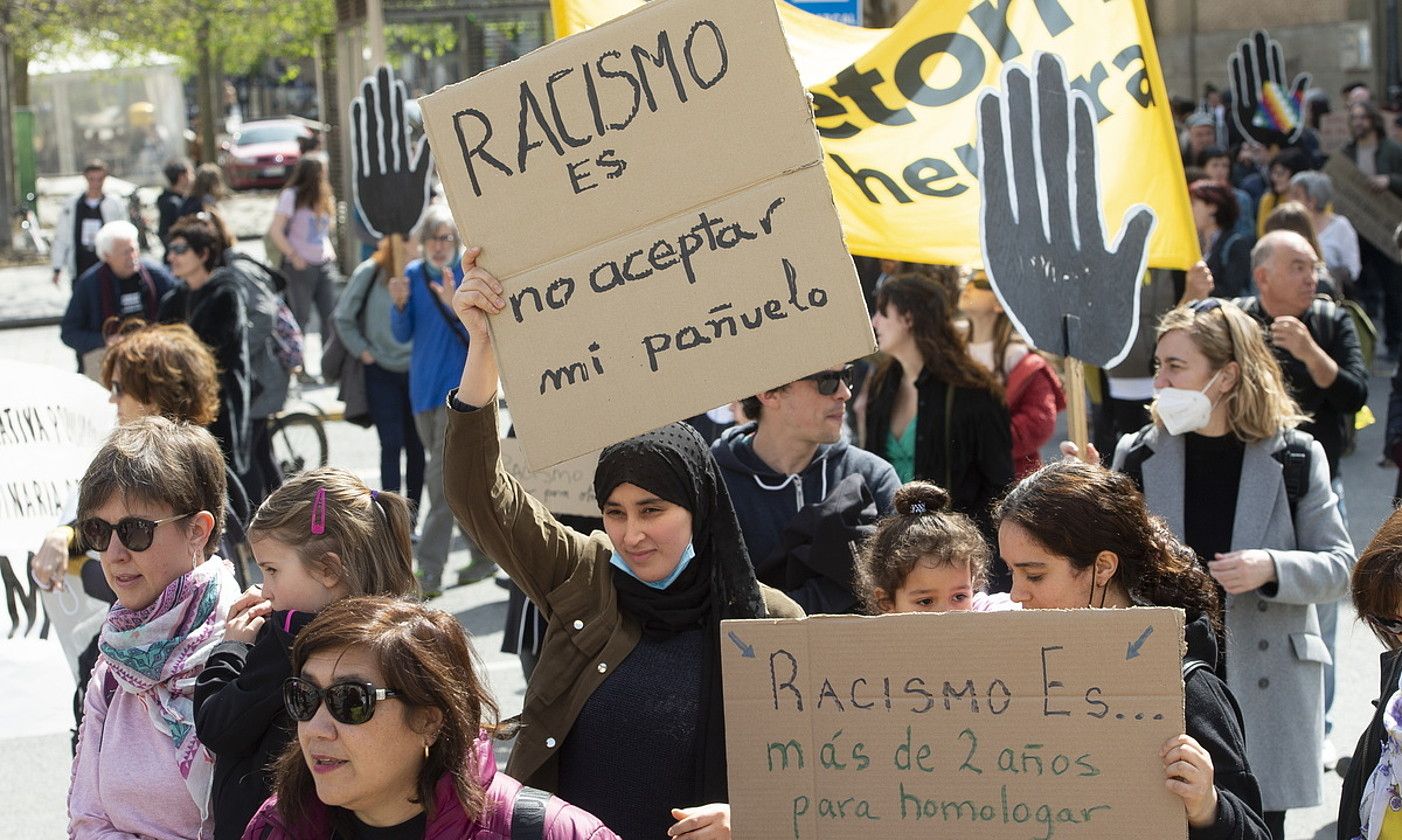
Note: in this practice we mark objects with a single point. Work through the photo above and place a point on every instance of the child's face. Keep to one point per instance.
(291, 584)
(932, 588)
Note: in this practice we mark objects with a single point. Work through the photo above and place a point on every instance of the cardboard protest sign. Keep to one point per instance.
(652, 270)
(897, 118)
(1375, 214)
(390, 185)
(1265, 107)
(566, 488)
(902, 726)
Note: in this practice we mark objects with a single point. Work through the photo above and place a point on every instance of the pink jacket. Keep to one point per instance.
(449, 821)
(1034, 397)
(125, 783)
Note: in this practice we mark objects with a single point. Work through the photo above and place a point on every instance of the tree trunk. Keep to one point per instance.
(19, 78)
(7, 150)
(207, 102)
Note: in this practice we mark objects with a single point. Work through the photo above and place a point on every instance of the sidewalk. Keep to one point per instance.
(29, 298)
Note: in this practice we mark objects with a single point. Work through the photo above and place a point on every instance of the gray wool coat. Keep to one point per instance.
(1275, 655)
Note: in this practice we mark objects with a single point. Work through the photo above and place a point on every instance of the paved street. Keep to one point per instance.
(33, 801)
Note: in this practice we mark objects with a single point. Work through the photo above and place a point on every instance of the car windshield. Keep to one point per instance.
(267, 134)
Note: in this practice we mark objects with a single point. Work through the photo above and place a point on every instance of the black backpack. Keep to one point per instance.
(1294, 461)
(528, 814)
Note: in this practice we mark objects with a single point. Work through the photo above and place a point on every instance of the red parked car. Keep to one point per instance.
(263, 152)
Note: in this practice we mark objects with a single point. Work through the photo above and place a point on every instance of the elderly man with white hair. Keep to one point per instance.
(122, 285)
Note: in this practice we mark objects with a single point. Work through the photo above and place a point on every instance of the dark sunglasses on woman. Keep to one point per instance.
(135, 533)
(828, 380)
(350, 703)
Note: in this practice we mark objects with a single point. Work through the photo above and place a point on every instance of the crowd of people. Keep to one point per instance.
(311, 693)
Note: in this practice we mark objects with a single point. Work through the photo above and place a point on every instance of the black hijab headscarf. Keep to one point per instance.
(675, 464)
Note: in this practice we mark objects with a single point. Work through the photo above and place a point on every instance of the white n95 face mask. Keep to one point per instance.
(1183, 410)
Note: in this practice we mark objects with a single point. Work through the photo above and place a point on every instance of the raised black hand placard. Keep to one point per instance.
(1263, 108)
(1066, 290)
(391, 183)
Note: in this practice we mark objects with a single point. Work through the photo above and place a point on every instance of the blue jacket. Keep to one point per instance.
(440, 347)
(96, 298)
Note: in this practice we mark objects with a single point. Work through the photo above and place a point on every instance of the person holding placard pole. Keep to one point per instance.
(629, 673)
(1079, 536)
(421, 314)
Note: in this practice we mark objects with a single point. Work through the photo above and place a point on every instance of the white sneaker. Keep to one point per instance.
(1330, 755)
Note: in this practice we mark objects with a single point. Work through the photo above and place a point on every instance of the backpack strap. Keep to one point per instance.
(1294, 460)
(1138, 453)
(528, 814)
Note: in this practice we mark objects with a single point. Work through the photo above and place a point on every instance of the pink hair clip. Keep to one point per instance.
(319, 512)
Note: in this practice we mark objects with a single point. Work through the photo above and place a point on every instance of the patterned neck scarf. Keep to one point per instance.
(156, 653)
(1383, 793)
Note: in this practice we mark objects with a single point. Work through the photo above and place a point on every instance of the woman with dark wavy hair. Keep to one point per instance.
(931, 410)
(1079, 536)
(394, 736)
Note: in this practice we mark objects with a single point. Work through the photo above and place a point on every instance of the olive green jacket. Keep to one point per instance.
(565, 574)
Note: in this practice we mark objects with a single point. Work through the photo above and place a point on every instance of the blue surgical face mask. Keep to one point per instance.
(688, 554)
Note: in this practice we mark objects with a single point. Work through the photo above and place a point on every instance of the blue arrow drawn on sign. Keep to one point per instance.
(1134, 646)
(745, 650)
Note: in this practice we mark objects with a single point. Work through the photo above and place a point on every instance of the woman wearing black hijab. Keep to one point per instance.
(624, 714)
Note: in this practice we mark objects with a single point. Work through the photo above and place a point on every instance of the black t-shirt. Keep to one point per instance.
(412, 829)
(129, 296)
(1211, 481)
(87, 220)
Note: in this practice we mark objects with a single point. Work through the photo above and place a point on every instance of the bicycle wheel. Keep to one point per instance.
(299, 442)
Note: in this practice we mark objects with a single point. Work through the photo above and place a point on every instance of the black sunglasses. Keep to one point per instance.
(178, 247)
(828, 380)
(134, 532)
(348, 702)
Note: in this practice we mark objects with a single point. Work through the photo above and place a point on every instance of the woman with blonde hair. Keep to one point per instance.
(1224, 438)
(301, 231)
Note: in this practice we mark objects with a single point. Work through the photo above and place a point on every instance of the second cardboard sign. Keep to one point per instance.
(651, 195)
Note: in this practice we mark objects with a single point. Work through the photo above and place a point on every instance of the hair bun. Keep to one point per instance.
(919, 497)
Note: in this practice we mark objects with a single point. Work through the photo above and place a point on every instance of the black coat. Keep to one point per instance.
(980, 440)
(239, 716)
(1229, 260)
(1369, 750)
(1214, 720)
(217, 314)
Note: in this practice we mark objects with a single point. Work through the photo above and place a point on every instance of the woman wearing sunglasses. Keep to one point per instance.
(152, 504)
(1224, 439)
(931, 410)
(394, 738)
(1370, 807)
(211, 300)
(629, 672)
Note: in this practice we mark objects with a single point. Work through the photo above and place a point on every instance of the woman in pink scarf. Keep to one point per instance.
(152, 504)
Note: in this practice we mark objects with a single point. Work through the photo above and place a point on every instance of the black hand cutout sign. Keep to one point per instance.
(1262, 107)
(1041, 223)
(391, 186)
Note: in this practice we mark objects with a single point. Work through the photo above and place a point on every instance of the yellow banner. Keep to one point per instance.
(896, 112)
